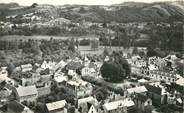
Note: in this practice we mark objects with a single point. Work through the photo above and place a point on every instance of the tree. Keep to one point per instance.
(112, 71)
(34, 5)
(116, 69)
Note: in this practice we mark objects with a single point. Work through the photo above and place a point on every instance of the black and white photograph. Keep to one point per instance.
(91, 56)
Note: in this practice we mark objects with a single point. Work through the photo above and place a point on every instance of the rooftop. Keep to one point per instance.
(87, 99)
(77, 82)
(56, 105)
(61, 78)
(26, 66)
(139, 89)
(24, 91)
(118, 104)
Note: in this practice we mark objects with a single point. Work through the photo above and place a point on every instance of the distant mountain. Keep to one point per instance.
(125, 12)
(10, 5)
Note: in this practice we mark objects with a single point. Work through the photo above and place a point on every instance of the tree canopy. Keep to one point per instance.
(116, 69)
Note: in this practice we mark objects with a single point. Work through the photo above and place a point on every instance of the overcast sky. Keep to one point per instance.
(87, 2)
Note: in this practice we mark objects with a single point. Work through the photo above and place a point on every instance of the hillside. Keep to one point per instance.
(125, 12)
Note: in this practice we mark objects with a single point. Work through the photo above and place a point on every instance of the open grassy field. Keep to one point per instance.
(82, 49)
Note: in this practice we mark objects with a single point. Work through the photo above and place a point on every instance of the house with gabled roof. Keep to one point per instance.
(87, 105)
(157, 94)
(120, 106)
(89, 70)
(143, 102)
(137, 90)
(48, 64)
(26, 67)
(57, 107)
(28, 93)
(17, 107)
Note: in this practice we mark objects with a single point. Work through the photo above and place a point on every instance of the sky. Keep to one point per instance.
(86, 2)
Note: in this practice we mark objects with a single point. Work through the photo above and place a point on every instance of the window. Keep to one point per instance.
(4, 72)
(148, 102)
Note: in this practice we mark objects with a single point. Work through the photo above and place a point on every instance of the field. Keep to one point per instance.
(83, 49)
(40, 37)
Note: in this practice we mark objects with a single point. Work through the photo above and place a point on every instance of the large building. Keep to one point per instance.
(159, 75)
(28, 93)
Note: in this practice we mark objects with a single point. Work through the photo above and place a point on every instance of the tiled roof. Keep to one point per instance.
(139, 89)
(25, 91)
(87, 100)
(56, 105)
(118, 104)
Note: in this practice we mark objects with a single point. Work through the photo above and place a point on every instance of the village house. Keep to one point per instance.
(142, 81)
(143, 103)
(76, 65)
(29, 78)
(120, 106)
(74, 86)
(57, 107)
(48, 64)
(3, 74)
(28, 93)
(86, 61)
(167, 76)
(44, 85)
(60, 81)
(155, 63)
(89, 70)
(17, 107)
(72, 73)
(136, 64)
(157, 94)
(78, 88)
(60, 65)
(137, 60)
(98, 66)
(4, 95)
(171, 61)
(26, 67)
(87, 105)
(137, 90)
